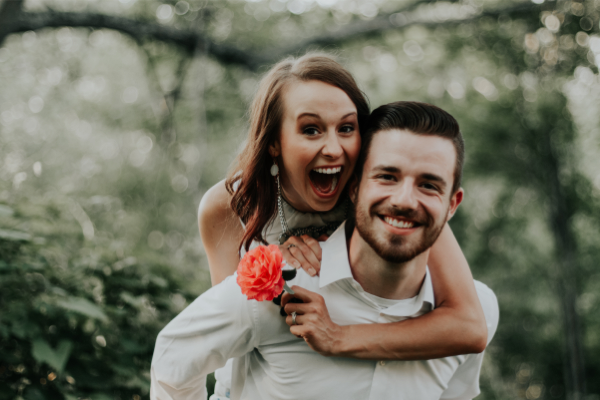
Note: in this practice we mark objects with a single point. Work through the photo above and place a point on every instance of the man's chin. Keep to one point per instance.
(393, 254)
(391, 248)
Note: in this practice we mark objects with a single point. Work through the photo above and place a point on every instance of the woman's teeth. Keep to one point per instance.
(328, 170)
(398, 223)
(325, 180)
(334, 183)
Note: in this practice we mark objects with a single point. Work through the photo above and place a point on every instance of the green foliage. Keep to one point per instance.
(77, 321)
(108, 145)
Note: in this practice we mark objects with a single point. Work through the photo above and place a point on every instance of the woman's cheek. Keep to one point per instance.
(354, 151)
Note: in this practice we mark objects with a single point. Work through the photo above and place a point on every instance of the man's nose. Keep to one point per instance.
(332, 148)
(405, 196)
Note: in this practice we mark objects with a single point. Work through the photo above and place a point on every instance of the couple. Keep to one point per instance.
(374, 296)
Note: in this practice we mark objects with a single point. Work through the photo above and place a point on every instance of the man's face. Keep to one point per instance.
(404, 197)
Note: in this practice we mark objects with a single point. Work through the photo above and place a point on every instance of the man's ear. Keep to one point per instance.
(455, 200)
(275, 149)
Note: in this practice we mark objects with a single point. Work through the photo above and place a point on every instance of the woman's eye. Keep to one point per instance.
(347, 129)
(386, 177)
(310, 131)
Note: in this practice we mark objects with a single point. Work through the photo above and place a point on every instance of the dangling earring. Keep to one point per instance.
(284, 226)
(274, 169)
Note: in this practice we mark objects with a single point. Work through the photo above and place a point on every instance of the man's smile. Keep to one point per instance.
(400, 223)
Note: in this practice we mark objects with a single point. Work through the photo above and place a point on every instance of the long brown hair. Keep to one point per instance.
(254, 199)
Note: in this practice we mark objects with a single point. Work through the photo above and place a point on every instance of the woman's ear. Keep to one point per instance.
(275, 149)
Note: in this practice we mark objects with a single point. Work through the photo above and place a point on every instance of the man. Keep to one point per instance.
(373, 270)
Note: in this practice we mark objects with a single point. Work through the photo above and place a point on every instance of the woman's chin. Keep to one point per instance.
(323, 203)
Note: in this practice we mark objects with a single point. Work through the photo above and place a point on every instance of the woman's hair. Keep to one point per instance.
(254, 200)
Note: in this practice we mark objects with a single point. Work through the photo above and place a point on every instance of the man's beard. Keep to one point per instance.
(397, 248)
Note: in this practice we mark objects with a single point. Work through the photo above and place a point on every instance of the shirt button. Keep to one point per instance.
(382, 363)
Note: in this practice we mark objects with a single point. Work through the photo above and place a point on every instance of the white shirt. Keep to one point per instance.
(274, 364)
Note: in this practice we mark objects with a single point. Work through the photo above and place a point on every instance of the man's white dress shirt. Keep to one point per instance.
(274, 364)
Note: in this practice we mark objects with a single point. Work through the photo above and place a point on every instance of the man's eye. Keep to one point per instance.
(386, 177)
(429, 186)
(310, 131)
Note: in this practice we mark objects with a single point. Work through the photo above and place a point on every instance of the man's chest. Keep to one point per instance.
(285, 365)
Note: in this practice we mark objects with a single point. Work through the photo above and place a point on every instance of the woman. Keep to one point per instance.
(288, 186)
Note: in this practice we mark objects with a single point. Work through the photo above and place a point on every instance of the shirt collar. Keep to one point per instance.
(335, 266)
(334, 260)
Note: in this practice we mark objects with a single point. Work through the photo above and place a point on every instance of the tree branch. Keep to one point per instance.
(191, 40)
(138, 30)
(397, 21)
(9, 12)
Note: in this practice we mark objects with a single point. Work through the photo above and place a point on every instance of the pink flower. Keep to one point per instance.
(259, 273)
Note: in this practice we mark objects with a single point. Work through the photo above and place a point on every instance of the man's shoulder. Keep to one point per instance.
(489, 303)
(223, 297)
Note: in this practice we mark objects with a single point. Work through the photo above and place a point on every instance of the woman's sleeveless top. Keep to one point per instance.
(300, 223)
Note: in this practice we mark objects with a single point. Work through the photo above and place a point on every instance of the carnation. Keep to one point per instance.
(259, 273)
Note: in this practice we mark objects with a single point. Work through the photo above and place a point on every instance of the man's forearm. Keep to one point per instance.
(436, 334)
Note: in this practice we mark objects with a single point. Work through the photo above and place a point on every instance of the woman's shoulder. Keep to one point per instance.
(215, 207)
(216, 199)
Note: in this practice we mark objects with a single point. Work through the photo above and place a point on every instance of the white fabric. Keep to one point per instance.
(295, 219)
(274, 364)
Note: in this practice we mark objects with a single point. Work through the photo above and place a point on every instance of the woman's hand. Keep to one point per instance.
(313, 323)
(303, 252)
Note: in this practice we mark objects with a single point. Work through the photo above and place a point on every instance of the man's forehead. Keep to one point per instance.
(404, 149)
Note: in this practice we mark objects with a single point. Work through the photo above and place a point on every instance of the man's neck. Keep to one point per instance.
(383, 278)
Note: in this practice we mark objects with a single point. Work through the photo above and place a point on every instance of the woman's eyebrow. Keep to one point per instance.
(313, 115)
(309, 115)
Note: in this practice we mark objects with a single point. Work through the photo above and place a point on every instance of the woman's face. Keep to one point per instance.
(318, 145)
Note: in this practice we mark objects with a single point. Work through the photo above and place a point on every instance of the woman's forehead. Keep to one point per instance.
(316, 98)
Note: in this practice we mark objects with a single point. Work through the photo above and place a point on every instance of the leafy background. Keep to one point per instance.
(116, 117)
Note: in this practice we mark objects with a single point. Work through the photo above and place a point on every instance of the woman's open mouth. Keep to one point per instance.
(324, 180)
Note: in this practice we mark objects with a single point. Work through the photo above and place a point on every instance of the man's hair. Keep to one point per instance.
(420, 119)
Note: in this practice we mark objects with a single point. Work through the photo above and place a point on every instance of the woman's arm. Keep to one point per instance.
(456, 326)
(220, 232)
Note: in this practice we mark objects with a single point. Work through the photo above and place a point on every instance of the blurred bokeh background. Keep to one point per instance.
(117, 115)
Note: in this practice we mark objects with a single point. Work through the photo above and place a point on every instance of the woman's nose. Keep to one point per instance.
(332, 148)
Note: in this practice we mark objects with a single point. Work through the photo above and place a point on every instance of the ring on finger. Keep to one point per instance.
(294, 318)
(291, 245)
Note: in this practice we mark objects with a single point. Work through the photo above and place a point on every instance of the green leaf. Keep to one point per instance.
(101, 396)
(57, 359)
(32, 393)
(83, 306)
(6, 211)
(137, 302)
(11, 235)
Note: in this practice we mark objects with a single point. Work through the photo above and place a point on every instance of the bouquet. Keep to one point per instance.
(260, 273)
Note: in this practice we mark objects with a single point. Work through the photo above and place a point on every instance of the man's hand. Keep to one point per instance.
(313, 323)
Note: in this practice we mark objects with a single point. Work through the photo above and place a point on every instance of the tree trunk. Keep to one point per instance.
(566, 275)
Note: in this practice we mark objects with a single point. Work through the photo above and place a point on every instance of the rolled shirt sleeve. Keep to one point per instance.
(465, 381)
(218, 325)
